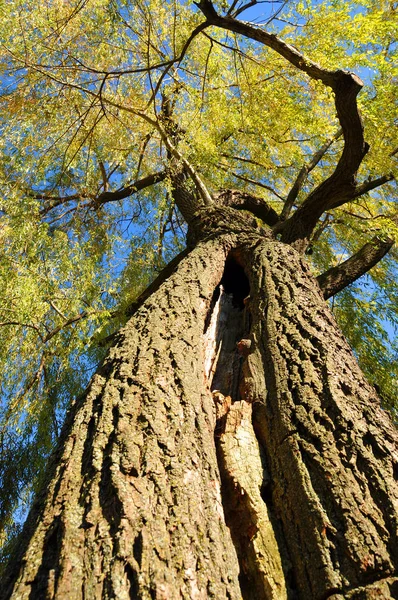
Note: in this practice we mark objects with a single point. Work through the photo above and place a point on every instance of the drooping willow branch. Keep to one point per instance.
(188, 168)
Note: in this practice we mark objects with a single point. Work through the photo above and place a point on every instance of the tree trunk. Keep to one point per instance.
(229, 447)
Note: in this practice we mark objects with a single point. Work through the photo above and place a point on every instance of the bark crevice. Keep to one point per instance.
(245, 479)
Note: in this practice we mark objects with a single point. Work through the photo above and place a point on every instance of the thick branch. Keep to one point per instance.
(304, 220)
(337, 278)
(340, 187)
(243, 201)
(129, 190)
(368, 186)
(290, 53)
(105, 179)
(188, 168)
(188, 198)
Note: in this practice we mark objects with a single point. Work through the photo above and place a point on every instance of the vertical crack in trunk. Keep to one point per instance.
(228, 346)
(227, 324)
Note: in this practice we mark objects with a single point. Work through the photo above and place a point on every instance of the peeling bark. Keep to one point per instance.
(244, 476)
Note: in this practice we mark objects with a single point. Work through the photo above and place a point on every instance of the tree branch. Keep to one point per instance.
(54, 201)
(129, 190)
(104, 197)
(302, 176)
(337, 278)
(18, 323)
(178, 59)
(54, 331)
(290, 53)
(200, 186)
(180, 168)
(70, 321)
(251, 181)
(172, 149)
(372, 184)
(105, 180)
(36, 377)
(243, 201)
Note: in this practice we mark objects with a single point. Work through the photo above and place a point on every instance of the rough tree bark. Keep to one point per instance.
(228, 447)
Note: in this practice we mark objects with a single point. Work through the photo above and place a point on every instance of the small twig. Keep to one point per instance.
(104, 175)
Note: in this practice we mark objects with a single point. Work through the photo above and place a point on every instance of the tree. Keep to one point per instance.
(229, 445)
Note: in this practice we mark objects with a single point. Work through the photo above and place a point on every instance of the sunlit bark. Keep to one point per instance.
(229, 447)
